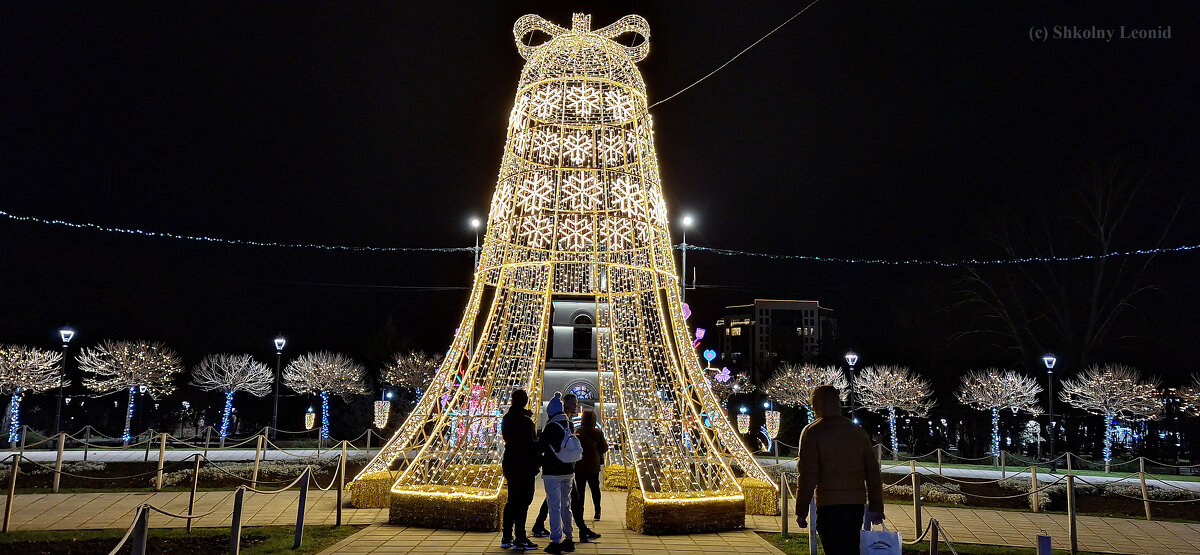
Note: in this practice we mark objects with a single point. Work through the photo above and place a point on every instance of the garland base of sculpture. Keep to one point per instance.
(684, 516)
(372, 491)
(762, 498)
(464, 508)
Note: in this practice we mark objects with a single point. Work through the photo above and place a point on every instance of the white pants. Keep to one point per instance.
(558, 501)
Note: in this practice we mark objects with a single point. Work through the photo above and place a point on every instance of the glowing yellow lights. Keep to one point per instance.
(772, 422)
(578, 211)
(383, 410)
(310, 420)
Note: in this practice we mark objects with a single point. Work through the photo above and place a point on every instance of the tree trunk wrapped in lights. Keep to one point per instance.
(793, 384)
(893, 388)
(994, 390)
(324, 373)
(1113, 391)
(128, 366)
(578, 212)
(26, 370)
(230, 374)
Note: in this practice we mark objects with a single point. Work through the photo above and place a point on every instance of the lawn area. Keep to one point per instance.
(257, 540)
(888, 464)
(797, 544)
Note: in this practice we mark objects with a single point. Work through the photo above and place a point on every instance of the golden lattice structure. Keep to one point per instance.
(578, 213)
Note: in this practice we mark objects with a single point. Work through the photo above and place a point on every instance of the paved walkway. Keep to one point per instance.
(176, 455)
(962, 525)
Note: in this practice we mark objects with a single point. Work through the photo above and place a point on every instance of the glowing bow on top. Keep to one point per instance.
(582, 23)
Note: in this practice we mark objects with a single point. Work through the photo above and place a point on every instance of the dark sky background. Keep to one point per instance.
(860, 130)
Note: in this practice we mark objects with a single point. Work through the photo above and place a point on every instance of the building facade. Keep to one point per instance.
(756, 337)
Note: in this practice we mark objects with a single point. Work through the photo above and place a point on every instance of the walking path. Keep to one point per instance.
(1044, 474)
(962, 525)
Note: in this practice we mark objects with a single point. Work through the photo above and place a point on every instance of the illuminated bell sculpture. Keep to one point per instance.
(383, 409)
(578, 213)
(310, 419)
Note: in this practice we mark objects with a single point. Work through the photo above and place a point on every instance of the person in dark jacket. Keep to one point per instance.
(557, 476)
(587, 470)
(520, 465)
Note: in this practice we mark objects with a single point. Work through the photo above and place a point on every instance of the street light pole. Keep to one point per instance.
(851, 359)
(475, 224)
(687, 222)
(279, 343)
(66, 334)
(1049, 359)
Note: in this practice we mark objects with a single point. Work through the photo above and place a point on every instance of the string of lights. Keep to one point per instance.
(689, 246)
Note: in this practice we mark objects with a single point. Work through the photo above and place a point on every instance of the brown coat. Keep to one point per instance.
(594, 448)
(836, 459)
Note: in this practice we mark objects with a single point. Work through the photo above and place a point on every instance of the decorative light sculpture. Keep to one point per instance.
(578, 212)
(26, 370)
(710, 355)
(743, 421)
(772, 422)
(310, 419)
(1113, 391)
(383, 410)
(994, 389)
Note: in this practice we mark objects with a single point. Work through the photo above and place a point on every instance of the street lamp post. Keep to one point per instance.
(66, 333)
(279, 343)
(687, 222)
(1049, 359)
(851, 359)
(475, 225)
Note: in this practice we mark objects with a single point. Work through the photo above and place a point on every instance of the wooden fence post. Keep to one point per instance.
(933, 536)
(916, 485)
(1003, 465)
(192, 495)
(258, 447)
(162, 458)
(939, 454)
(207, 439)
(149, 434)
(1142, 477)
(12, 489)
(87, 440)
(62, 440)
(304, 478)
(141, 531)
(783, 502)
(235, 526)
(1071, 526)
(341, 482)
(1033, 489)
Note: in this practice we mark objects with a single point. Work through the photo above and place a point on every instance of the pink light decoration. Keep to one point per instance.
(723, 376)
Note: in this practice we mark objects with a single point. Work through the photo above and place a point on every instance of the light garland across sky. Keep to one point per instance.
(689, 246)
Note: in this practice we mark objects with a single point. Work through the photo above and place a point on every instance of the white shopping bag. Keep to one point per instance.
(879, 542)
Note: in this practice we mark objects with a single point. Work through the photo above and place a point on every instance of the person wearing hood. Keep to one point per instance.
(520, 465)
(557, 476)
(837, 462)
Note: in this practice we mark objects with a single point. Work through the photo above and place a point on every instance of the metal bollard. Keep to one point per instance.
(235, 526)
(192, 495)
(207, 439)
(300, 507)
(12, 489)
(1071, 526)
(149, 433)
(162, 457)
(1003, 465)
(141, 531)
(62, 439)
(258, 447)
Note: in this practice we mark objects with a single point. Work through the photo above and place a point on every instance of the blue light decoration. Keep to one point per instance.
(710, 355)
(14, 425)
(125, 437)
(225, 414)
(995, 432)
(325, 415)
(1109, 422)
(767, 434)
(892, 426)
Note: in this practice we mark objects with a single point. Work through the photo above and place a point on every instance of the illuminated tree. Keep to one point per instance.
(891, 389)
(994, 389)
(323, 373)
(230, 374)
(130, 365)
(726, 384)
(1113, 391)
(792, 384)
(1189, 396)
(411, 371)
(26, 370)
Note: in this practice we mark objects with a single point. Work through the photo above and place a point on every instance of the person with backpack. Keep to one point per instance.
(587, 471)
(570, 404)
(520, 465)
(560, 450)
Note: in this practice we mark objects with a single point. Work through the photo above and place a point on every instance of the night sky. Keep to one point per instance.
(860, 130)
